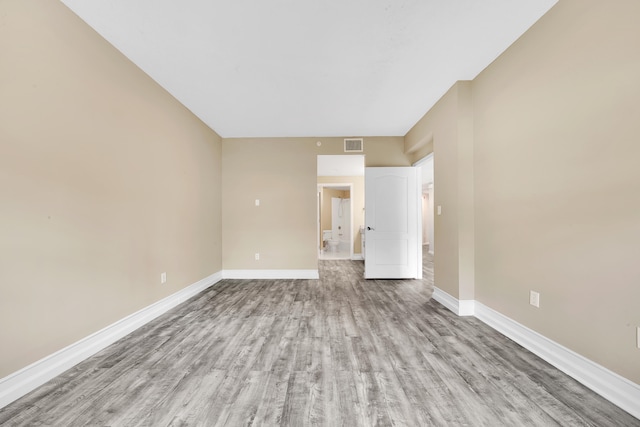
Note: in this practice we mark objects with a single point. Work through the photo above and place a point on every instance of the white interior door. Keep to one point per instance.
(392, 217)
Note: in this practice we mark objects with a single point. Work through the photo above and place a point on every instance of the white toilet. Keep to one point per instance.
(329, 242)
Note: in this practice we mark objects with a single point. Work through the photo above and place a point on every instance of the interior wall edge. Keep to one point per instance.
(459, 307)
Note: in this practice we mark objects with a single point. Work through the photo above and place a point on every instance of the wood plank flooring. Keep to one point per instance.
(339, 351)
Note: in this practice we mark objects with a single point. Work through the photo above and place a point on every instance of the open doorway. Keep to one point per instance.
(335, 227)
(340, 206)
(426, 164)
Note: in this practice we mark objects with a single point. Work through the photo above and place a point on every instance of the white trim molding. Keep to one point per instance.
(466, 307)
(459, 307)
(27, 379)
(270, 274)
(613, 387)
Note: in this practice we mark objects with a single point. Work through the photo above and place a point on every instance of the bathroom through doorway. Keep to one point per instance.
(335, 235)
(340, 213)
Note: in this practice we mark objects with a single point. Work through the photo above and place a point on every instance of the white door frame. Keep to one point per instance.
(419, 163)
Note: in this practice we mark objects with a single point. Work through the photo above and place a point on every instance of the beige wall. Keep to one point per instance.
(520, 156)
(378, 150)
(105, 182)
(447, 129)
(357, 203)
(556, 129)
(281, 172)
(282, 175)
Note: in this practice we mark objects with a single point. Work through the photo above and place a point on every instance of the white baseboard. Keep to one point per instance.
(466, 307)
(613, 387)
(357, 257)
(270, 274)
(27, 379)
(616, 389)
(459, 307)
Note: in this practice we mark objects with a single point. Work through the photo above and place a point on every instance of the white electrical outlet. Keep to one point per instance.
(257, 202)
(163, 278)
(638, 337)
(257, 256)
(534, 298)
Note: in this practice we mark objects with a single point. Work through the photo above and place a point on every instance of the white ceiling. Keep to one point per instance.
(256, 68)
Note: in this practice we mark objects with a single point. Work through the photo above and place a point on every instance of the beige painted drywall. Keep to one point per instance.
(357, 203)
(105, 182)
(556, 134)
(422, 149)
(282, 175)
(281, 172)
(378, 150)
(447, 130)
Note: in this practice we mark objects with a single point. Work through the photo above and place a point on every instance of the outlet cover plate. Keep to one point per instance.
(534, 298)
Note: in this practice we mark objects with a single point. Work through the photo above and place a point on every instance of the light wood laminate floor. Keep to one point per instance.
(339, 351)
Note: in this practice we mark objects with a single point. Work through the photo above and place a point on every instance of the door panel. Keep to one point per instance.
(391, 190)
(392, 213)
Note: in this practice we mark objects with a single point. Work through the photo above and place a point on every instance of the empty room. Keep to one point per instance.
(177, 247)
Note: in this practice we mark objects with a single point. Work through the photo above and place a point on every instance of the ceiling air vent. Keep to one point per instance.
(353, 145)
